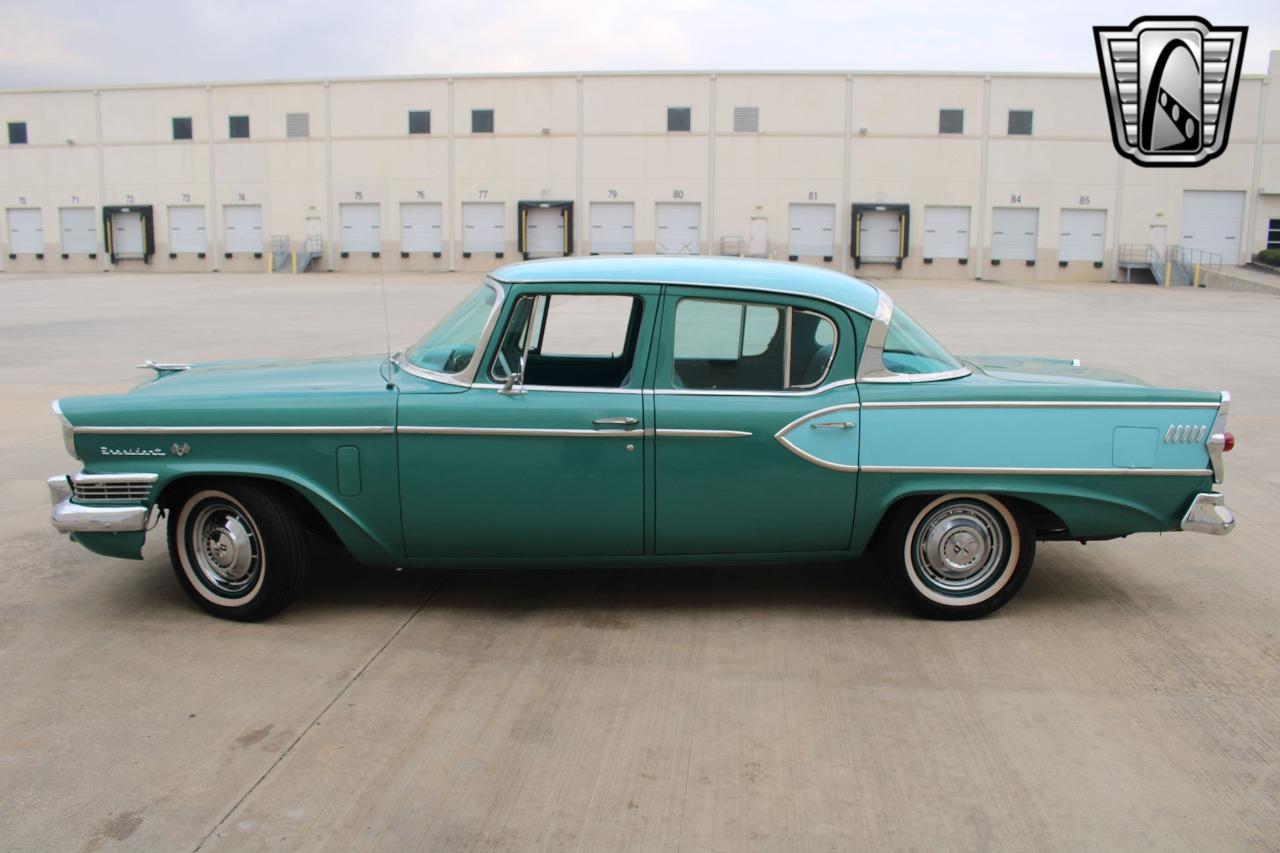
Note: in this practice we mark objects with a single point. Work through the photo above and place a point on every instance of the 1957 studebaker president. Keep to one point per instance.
(638, 411)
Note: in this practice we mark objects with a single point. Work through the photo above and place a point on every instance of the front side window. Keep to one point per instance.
(742, 346)
(910, 350)
(451, 345)
(569, 340)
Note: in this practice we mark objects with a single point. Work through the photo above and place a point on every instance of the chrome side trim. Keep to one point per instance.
(1208, 514)
(234, 430)
(675, 283)
(871, 366)
(781, 436)
(701, 433)
(466, 377)
(1218, 438)
(711, 392)
(1040, 404)
(528, 433)
(68, 517)
(1061, 472)
(489, 386)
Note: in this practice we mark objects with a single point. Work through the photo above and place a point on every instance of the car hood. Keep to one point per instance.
(360, 373)
(1056, 371)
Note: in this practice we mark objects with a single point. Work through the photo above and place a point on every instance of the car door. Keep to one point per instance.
(549, 463)
(756, 425)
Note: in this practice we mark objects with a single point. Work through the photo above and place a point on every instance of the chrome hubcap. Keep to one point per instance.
(960, 547)
(225, 545)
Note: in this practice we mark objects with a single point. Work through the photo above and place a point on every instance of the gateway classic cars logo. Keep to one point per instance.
(1170, 84)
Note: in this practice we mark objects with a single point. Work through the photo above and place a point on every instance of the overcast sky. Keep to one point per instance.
(89, 42)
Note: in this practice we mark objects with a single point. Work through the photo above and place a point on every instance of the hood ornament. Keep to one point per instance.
(163, 368)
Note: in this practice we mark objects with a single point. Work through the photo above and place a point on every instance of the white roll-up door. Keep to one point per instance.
(1082, 235)
(127, 240)
(186, 229)
(1013, 233)
(679, 226)
(26, 231)
(946, 232)
(361, 226)
(483, 226)
(1211, 222)
(79, 230)
(613, 227)
(813, 230)
(421, 227)
(242, 224)
(544, 232)
(880, 235)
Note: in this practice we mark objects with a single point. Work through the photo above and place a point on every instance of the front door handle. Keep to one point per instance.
(622, 422)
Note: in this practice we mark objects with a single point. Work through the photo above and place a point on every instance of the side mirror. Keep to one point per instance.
(515, 380)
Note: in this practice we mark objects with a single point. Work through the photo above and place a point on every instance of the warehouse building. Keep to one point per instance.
(923, 174)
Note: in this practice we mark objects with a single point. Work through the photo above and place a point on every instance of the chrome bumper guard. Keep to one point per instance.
(1208, 514)
(71, 517)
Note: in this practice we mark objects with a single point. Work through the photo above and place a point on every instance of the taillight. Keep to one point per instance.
(1228, 442)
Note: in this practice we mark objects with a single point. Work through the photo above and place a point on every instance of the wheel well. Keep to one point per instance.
(1044, 522)
(175, 490)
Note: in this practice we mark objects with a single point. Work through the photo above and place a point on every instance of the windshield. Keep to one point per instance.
(910, 349)
(451, 345)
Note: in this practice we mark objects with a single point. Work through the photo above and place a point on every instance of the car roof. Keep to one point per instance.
(695, 271)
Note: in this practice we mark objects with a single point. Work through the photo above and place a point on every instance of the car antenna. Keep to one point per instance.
(386, 326)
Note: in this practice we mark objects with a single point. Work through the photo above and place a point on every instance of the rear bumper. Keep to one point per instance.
(1208, 514)
(69, 517)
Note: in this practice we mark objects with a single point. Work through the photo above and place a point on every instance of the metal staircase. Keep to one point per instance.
(1176, 266)
(312, 251)
(284, 259)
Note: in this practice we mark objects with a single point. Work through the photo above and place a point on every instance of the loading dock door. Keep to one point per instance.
(813, 230)
(946, 232)
(613, 228)
(79, 230)
(880, 235)
(26, 231)
(186, 230)
(1013, 233)
(420, 227)
(678, 228)
(127, 239)
(361, 227)
(482, 226)
(1211, 223)
(544, 232)
(1082, 235)
(243, 226)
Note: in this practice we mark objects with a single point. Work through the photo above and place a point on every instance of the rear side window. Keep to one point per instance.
(744, 346)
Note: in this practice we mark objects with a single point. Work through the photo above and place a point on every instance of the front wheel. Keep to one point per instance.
(238, 549)
(960, 556)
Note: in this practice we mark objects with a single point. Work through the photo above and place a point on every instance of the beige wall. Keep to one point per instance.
(827, 138)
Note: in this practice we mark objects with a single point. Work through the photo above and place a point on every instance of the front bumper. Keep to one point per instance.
(69, 517)
(1208, 514)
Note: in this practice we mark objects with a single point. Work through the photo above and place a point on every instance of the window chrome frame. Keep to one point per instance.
(871, 367)
(463, 378)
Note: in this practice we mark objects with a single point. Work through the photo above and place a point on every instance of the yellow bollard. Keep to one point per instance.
(293, 260)
(1196, 280)
(1168, 272)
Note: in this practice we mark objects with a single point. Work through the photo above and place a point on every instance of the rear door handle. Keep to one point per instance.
(622, 422)
(835, 425)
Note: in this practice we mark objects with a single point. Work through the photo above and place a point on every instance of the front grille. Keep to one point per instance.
(112, 487)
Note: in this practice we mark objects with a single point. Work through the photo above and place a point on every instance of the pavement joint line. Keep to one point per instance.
(426, 599)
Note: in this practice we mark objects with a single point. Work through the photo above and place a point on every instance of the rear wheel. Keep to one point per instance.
(960, 556)
(238, 548)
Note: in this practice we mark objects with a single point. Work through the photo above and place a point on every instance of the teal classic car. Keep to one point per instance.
(642, 411)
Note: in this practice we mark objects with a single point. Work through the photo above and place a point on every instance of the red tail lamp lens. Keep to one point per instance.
(1228, 442)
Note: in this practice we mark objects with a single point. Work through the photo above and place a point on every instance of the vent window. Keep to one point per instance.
(950, 121)
(420, 121)
(746, 119)
(482, 121)
(1019, 122)
(679, 118)
(297, 125)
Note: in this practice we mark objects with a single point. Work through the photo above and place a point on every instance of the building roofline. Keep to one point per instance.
(410, 78)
